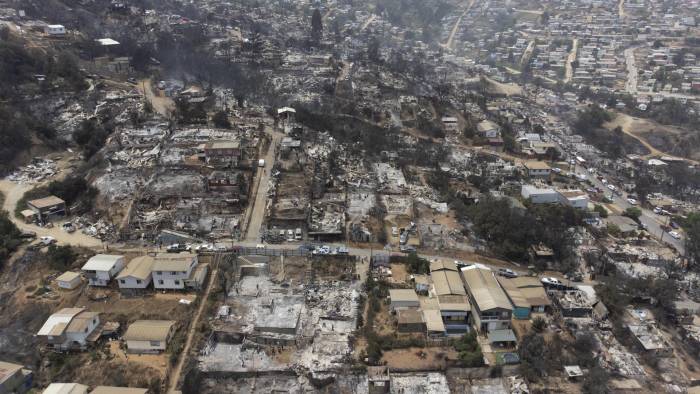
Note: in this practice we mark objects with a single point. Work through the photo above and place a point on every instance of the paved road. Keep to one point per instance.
(257, 212)
(652, 221)
(632, 73)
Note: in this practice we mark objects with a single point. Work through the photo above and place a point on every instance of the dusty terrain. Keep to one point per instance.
(659, 139)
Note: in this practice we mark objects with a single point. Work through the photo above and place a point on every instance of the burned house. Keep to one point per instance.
(223, 153)
(232, 185)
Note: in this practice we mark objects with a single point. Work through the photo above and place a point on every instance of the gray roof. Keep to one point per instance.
(501, 336)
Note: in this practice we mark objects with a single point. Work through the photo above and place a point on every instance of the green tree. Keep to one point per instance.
(9, 237)
(532, 356)
(602, 212)
(61, 257)
(539, 324)
(633, 213)
(469, 350)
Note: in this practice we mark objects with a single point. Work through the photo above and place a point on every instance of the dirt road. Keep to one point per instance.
(569, 62)
(194, 324)
(162, 105)
(13, 193)
(257, 211)
(450, 39)
(630, 125)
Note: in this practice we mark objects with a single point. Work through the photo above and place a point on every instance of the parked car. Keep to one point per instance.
(176, 248)
(551, 281)
(505, 272)
(632, 201)
(675, 235)
(657, 210)
(27, 234)
(68, 227)
(47, 240)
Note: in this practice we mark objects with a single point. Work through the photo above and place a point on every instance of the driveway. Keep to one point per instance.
(13, 193)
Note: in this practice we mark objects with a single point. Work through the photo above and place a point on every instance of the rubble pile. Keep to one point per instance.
(37, 171)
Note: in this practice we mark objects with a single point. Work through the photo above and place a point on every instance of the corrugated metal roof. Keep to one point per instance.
(433, 321)
(403, 295)
(139, 268)
(101, 262)
(514, 294)
(454, 303)
(484, 288)
(7, 370)
(64, 316)
(149, 330)
(501, 336)
(447, 282)
(117, 390)
(438, 265)
(46, 202)
(173, 261)
(66, 388)
(68, 276)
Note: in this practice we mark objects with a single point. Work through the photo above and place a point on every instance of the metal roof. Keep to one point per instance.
(68, 276)
(173, 261)
(149, 330)
(46, 202)
(447, 282)
(403, 295)
(7, 370)
(101, 262)
(139, 268)
(501, 336)
(64, 316)
(484, 288)
(433, 320)
(117, 390)
(66, 388)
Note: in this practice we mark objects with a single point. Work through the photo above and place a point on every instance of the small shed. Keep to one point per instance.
(28, 215)
(403, 298)
(149, 336)
(410, 320)
(69, 280)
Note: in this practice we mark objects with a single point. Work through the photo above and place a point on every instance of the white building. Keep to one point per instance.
(574, 198)
(55, 30)
(537, 169)
(488, 129)
(177, 271)
(403, 298)
(149, 336)
(66, 388)
(539, 195)
(138, 274)
(101, 268)
(68, 280)
(70, 328)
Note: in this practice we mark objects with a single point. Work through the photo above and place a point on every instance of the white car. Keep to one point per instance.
(675, 235)
(632, 201)
(612, 187)
(657, 210)
(47, 240)
(551, 281)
